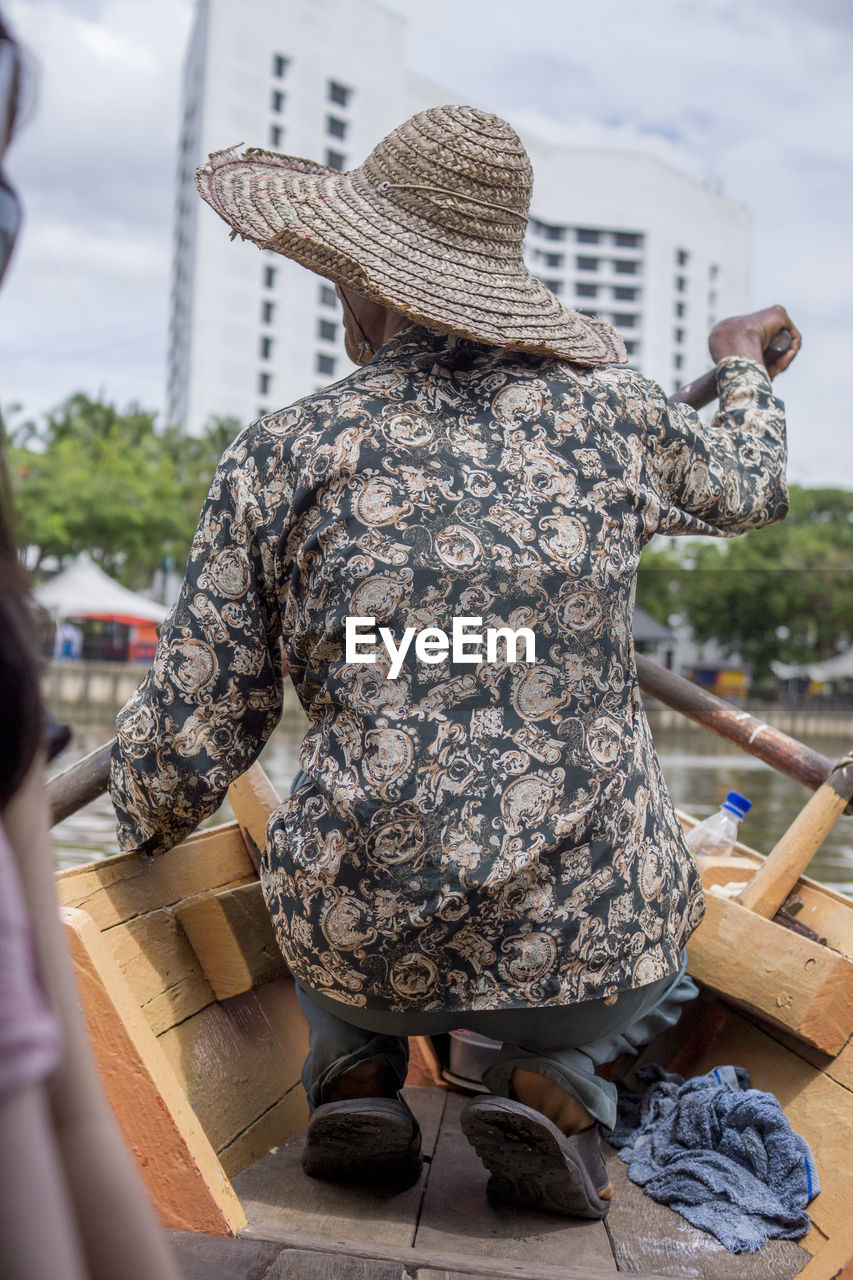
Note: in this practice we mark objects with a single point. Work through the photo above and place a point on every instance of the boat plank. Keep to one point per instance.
(231, 934)
(439, 1262)
(457, 1215)
(823, 910)
(237, 1059)
(305, 1264)
(161, 968)
(117, 889)
(647, 1235)
(204, 1257)
(793, 982)
(278, 1124)
(839, 1068)
(183, 1175)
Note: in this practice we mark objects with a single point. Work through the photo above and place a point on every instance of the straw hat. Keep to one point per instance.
(431, 225)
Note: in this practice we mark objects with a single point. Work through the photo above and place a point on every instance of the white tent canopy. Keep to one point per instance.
(85, 591)
(838, 668)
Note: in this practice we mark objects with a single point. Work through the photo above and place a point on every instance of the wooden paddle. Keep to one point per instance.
(701, 392)
(776, 877)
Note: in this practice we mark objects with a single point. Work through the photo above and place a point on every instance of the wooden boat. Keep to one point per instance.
(200, 1043)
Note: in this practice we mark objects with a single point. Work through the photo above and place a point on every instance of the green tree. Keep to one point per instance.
(785, 592)
(91, 478)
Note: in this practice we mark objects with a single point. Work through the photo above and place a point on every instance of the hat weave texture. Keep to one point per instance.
(430, 225)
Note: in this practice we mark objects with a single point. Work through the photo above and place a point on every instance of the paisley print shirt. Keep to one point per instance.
(470, 835)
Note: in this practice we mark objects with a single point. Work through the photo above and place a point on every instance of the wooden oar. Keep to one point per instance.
(782, 752)
(88, 778)
(80, 783)
(701, 392)
(776, 877)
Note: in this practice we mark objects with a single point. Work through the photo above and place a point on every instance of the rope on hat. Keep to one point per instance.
(454, 195)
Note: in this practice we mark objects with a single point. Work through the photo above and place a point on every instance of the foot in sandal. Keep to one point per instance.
(365, 1134)
(545, 1156)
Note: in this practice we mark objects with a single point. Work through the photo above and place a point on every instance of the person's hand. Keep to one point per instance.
(749, 336)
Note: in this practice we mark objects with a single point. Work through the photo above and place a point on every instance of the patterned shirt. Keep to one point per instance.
(471, 834)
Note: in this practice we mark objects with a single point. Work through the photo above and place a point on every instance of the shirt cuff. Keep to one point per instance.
(740, 366)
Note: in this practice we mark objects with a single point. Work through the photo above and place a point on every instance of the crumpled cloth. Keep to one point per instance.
(720, 1153)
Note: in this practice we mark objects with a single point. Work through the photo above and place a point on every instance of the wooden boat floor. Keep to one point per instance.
(443, 1227)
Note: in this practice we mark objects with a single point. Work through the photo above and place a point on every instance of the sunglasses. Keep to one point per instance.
(10, 205)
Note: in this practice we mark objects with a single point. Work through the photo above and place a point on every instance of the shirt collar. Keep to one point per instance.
(412, 340)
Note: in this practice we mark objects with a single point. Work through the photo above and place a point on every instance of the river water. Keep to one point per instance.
(698, 767)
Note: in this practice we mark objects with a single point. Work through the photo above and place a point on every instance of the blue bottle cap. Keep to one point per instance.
(736, 803)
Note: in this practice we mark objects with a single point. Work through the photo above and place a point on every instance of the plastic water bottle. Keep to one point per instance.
(717, 835)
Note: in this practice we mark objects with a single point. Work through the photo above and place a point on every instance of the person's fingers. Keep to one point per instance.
(775, 319)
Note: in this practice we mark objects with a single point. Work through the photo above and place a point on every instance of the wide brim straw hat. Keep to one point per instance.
(431, 225)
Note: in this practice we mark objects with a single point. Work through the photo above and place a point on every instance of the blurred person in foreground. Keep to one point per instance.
(475, 840)
(72, 1206)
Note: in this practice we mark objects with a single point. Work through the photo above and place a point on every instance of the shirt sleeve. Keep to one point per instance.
(214, 692)
(728, 477)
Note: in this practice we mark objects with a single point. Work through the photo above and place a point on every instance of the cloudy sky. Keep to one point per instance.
(755, 94)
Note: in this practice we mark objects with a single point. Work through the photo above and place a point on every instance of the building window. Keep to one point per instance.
(552, 260)
(262, 412)
(624, 267)
(336, 127)
(682, 257)
(586, 290)
(631, 348)
(328, 297)
(327, 331)
(624, 320)
(266, 348)
(586, 264)
(677, 360)
(678, 335)
(335, 159)
(585, 311)
(713, 271)
(269, 277)
(587, 236)
(625, 293)
(264, 383)
(627, 239)
(680, 309)
(325, 364)
(267, 312)
(547, 231)
(556, 286)
(681, 283)
(339, 93)
(276, 100)
(276, 136)
(712, 297)
(279, 65)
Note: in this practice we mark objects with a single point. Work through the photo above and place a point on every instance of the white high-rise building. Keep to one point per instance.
(622, 235)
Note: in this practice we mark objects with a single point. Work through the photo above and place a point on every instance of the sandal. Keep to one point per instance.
(366, 1140)
(532, 1163)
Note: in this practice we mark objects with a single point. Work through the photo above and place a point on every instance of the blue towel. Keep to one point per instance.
(720, 1153)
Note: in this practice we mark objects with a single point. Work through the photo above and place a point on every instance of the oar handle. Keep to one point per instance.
(701, 392)
(80, 783)
(775, 879)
